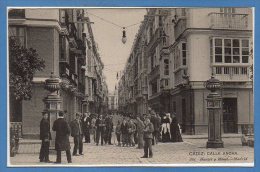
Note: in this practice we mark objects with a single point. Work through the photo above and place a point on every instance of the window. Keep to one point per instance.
(154, 87)
(17, 33)
(180, 55)
(184, 54)
(64, 49)
(166, 67)
(230, 50)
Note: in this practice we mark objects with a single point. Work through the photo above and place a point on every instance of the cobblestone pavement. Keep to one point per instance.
(188, 152)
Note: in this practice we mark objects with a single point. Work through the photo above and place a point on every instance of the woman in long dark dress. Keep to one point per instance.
(175, 130)
(165, 131)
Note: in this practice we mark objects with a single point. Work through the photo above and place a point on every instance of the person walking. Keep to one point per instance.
(86, 123)
(148, 136)
(93, 127)
(124, 131)
(77, 134)
(109, 129)
(131, 132)
(100, 124)
(118, 133)
(62, 143)
(140, 132)
(45, 136)
(175, 130)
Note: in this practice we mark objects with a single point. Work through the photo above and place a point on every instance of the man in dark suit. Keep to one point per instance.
(45, 136)
(148, 136)
(77, 134)
(100, 124)
(62, 143)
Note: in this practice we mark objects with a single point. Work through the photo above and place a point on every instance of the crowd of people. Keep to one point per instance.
(142, 130)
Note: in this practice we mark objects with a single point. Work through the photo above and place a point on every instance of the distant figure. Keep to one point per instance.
(118, 133)
(140, 133)
(148, 136)
(124, 131)
(100, 124)
(62, 137)
(93, 127)
(86, 124)
(175, 130)
(131, 132)
(45, 136)
(77, 134)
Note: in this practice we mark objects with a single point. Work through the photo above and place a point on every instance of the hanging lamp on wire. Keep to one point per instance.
(124, 39)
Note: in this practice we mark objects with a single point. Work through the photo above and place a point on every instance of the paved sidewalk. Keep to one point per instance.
(188, 152)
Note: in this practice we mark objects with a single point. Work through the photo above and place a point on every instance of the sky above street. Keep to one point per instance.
(108, 36)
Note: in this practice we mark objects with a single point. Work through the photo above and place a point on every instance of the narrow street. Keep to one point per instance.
(164, 153)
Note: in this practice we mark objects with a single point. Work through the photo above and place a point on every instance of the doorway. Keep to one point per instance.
(230, 115)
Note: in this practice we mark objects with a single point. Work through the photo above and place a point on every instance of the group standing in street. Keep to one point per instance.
(144, 130)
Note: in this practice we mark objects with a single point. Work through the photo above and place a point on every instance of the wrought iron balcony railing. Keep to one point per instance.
(228, 21)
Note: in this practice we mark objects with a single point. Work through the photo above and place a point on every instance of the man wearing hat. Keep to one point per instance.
(62, 143)
(77, 134)
(148, 136)
(45, 136)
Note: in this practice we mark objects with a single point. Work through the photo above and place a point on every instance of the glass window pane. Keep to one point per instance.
(218, 50)
(227, 59)
(218, 59)
(235, 51)
(236, 59)
(184, 54)
(244, 59)
(183, 46)
(235, 42)
(227, 42)
(218, 42)
(245, 43)
(21, 31)
(245, 51)
(227, 51)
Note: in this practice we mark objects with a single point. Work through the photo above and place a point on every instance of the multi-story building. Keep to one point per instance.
(58, 37)
(185, 46)
(96, 88)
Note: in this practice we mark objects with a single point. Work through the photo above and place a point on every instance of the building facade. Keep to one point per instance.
(58, 37)
(113, 102)
(183, 48)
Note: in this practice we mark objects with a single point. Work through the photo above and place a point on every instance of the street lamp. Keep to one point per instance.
(124, 36)
(215, 111)
(52, 101)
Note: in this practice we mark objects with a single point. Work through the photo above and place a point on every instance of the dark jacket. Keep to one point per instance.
(148, 131)
(86, 124)
(76, 128)
(45, 129)
(100, 124)
(124, 128)
(62, 129)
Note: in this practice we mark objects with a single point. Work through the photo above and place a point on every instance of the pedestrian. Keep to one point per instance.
(45, 136)
(131, 132)
(140, 132)
(77, 134)
(109, 129)
(62, 143)
(86, 123)
(165, 131)
(175, 130)
(124, 131)
(100, 124)
(148, 136)
(93, 127)
(118, 133)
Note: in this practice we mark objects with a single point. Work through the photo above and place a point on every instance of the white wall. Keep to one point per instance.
(38, 13)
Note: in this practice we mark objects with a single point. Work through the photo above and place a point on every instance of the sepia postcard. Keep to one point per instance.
(141, 87)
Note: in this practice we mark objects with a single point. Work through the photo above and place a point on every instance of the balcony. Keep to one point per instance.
(228, 21)
(179, 27)
(16, 13)
(155, 38)
(164, 83)
(232, 73)
(154, 73)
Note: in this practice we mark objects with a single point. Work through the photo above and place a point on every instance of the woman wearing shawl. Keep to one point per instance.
(175, 130)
